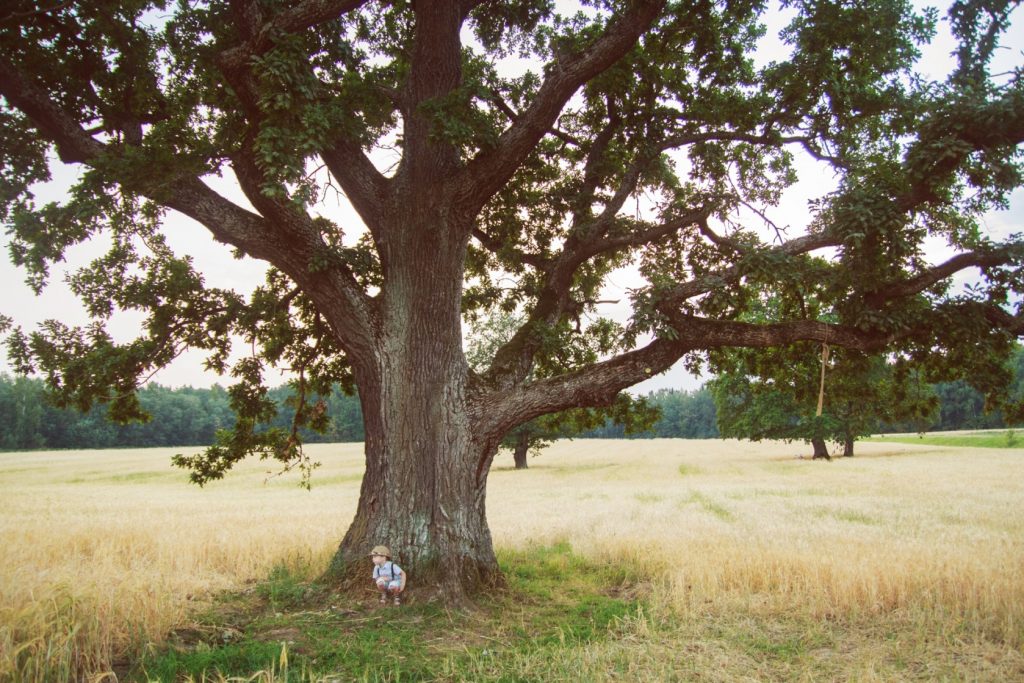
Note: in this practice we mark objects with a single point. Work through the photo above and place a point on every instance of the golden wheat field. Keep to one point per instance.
(916, 551)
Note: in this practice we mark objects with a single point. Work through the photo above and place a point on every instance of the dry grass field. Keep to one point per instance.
(903, 563)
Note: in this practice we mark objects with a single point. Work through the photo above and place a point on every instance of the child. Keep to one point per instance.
(388, 576)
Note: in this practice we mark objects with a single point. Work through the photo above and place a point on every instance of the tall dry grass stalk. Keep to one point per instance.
(104, 552)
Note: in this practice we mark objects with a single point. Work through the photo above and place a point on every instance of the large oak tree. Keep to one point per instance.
(640, 132)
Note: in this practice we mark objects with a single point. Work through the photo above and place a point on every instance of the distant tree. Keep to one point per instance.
(22, 413)
(683, 414)
(180, 417)
(774, 394)
(346, 416)
(961, 406)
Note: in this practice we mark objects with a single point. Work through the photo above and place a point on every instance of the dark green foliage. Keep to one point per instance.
(233, 659)
(181, 417)
(282, 589)
(773, 395)
(681, 415)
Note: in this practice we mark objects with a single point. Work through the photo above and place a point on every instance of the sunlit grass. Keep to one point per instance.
(899, 563)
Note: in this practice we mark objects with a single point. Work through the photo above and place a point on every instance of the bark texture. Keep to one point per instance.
(820, 449)
(521, 451)
(423, 493)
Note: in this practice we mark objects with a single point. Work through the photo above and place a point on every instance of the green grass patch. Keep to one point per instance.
(554, 600)
(283, 589)
(210, 661)
(778, 493)
(846, 515)
(1007, 439)
(710, 505)
(686, 470)
(786, 649)
(575, 469)
(128, 478)
(649, 497)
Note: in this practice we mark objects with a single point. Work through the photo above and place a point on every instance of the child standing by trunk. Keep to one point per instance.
(388, 576)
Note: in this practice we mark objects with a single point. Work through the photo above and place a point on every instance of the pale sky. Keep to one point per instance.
(220, 269)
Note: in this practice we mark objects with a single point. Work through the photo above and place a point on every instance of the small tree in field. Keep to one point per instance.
(774, 395)
(805, 392)
(640, 132)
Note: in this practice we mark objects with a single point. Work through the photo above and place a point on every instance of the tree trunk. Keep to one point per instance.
(423, 495)
(423, 492)
(820, 449)
(848, 446)
(521, 450)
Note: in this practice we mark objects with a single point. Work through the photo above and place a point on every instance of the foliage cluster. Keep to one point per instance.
(801, 392)
(183, 416)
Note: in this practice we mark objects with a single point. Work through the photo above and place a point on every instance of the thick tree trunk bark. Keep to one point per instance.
(422, 497)
(423, 492)
(820, 449)
(521, 450)
(848, 446)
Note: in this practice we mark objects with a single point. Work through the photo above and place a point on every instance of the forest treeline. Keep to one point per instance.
(191, 417)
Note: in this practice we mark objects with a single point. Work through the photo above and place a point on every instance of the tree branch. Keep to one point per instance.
(261, 34)
(724, 242)
(766, 138)
(512, 362)
(495, 246)
(592, 168)
(73, 144)
(286, 244)
(513, 116)
(706, 283)
(362, 183)
(499, 411)
(598, 385)
(490, 170)
(952, 135)
(365, 186)
(13, 16)
(917, 284)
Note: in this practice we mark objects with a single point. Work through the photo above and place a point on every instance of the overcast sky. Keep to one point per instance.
(222, 270)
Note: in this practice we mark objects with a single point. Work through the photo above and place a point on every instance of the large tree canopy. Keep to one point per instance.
(640, 132)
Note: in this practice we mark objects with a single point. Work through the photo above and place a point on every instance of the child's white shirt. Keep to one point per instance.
(389, 571)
